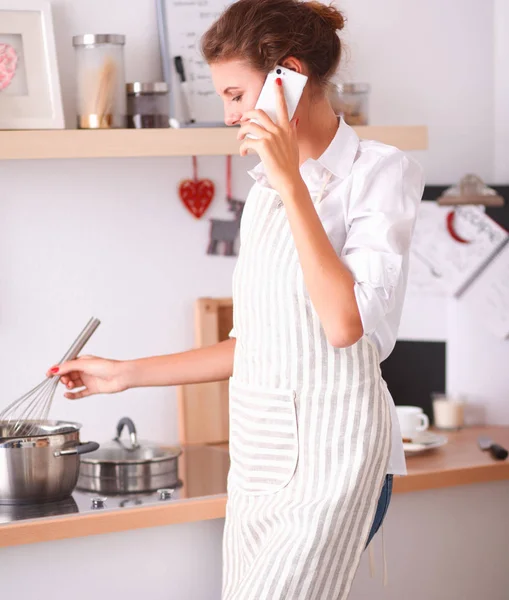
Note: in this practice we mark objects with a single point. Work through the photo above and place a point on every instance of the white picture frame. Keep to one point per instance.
(30, 94)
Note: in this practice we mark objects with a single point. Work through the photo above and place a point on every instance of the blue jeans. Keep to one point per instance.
(383, 505)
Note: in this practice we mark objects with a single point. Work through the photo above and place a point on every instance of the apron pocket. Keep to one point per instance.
(264, 444)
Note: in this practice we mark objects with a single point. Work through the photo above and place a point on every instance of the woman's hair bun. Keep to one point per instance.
(329, 14)
(264, 33)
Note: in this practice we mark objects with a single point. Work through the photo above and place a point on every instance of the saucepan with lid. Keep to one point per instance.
(129, 466)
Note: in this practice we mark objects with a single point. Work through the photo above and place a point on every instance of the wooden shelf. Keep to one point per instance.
(121, 143)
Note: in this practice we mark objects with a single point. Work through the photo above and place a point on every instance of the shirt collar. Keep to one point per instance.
(338, 157)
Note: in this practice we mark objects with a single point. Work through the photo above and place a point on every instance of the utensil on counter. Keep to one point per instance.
(124, 467)
(23, 417)
(496, 450)
(43, 467)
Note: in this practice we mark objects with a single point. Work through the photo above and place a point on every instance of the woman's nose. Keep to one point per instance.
(232, 119)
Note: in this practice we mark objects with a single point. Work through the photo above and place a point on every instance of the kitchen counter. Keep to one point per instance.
(202, 493)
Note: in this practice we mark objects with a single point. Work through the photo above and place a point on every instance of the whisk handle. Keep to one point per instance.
(81, 340)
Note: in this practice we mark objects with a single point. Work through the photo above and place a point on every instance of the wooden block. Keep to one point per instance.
(203, 407)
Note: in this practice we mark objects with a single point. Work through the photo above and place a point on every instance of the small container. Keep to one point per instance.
(147, 105)
(448, 413)
(100, 81)
(353, 102)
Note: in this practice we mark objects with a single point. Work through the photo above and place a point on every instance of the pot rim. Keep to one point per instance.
(54, 438)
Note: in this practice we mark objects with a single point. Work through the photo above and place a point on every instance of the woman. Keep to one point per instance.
(318, 291)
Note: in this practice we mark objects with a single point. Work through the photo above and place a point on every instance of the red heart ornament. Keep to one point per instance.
(196, 195)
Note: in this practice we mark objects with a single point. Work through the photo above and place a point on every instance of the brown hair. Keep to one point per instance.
(265, 32)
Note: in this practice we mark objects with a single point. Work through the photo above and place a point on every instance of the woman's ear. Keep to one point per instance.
(294, 64)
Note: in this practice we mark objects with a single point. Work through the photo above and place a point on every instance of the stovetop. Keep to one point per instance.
(204, 470)
(86, 502)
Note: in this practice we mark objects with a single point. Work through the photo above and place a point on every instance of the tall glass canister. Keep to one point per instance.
(100, 81)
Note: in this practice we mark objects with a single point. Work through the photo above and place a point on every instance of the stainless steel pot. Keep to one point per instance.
(43, 467)
(129, 467)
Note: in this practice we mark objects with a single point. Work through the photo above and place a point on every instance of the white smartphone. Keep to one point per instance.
(293, 86)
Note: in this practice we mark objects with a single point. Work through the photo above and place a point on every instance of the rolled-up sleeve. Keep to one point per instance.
(381, 218)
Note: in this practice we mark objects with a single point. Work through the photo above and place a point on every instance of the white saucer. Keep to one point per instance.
(424, 441)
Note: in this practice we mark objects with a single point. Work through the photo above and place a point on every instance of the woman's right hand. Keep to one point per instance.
(95, 375)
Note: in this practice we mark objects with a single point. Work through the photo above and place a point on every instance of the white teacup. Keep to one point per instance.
(411, 420)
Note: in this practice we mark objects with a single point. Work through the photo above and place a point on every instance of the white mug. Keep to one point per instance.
(411, 420)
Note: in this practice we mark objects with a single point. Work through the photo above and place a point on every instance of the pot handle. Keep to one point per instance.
(83, 448)
(131, 427)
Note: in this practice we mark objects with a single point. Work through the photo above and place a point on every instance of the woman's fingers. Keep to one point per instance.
(76, 383)
(73, 378)
(77, 395)
(253, 128)
(81, 364)
(262, 118)
(250, 144)
(281, 108)
(63, 369)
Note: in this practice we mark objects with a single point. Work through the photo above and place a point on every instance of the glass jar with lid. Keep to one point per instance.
(100, 81)
(147, 105)
(351, 101)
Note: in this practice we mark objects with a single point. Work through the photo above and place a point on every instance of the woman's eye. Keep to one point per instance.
(237, 99)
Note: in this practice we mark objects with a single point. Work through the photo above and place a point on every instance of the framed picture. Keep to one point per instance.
(30, 96)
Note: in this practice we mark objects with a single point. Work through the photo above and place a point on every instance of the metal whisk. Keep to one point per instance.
(24, 416)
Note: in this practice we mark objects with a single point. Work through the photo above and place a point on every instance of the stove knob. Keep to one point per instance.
(165, 494)
(98, 502)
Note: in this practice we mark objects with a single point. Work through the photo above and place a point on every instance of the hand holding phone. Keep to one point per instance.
(293, 87)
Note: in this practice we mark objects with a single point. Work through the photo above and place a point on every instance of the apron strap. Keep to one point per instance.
(371, 554)
(384, 555)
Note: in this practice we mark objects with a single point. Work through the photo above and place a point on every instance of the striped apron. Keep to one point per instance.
(310, 430)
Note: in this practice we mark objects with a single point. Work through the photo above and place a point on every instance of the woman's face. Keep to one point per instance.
(239, 86)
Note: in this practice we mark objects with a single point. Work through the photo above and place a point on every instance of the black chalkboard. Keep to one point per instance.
(415, 370)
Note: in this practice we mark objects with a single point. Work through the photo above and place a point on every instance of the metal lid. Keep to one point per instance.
(90, 39)
(140, 87)
(120, 453)
(134, 451)
(354, 88)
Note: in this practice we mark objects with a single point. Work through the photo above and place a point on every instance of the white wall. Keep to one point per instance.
(501, 113)
(109, 238)
(429, 62)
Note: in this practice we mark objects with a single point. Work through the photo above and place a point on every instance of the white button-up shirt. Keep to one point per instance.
(368, 210)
